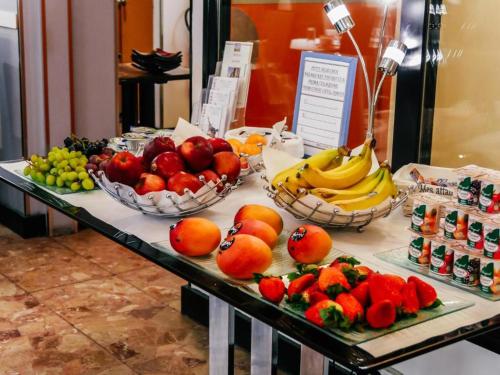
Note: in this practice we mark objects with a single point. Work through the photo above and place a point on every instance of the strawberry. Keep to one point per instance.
(300, 284)
(362, 293)
(384, 287)
(363, 271)
(341, 266)
(381, 314)
(271, 288)
(345, 259)
(352, 308)
(325, 314)
(411, 305)
(395, 281)
(349, 272)
(426, 293)
(333, 282)
(313, 294)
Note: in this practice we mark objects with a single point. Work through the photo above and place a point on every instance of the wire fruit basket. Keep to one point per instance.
(307, 208)
(167, 203)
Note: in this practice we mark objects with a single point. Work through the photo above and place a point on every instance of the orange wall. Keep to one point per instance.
(274, 79)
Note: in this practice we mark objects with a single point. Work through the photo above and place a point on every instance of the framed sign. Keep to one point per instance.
(323, 101)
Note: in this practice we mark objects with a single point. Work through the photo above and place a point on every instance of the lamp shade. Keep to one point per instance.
(393, 56)
(339, 16)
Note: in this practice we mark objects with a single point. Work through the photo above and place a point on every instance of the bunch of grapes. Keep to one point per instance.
(87, 147)
(61, 168)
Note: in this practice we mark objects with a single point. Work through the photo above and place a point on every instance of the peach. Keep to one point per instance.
(309, 244)
(194, 236)
(242, 255)
(255, 228)
(262, 213)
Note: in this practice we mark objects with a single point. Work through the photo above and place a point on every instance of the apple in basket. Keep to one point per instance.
(227, 163)
(197, 152)
(124, 168)
(181, 181)
(220, 144)
(210, 175)
(157, 146)
(167, 164)
(148, 183)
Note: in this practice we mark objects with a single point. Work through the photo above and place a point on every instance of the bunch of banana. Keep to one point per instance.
(369, 192)
(324, 160)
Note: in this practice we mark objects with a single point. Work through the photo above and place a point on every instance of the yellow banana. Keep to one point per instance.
(384, 190)
(357, 170)
(321, 160)
(362, 188)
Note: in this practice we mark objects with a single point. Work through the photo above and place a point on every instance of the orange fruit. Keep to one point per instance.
(250, 149)
(235, 144)
(255, 139)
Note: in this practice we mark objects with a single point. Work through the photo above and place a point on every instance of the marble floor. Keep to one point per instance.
(80, 304)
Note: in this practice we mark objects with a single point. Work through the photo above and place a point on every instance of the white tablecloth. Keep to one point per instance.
(384, 234)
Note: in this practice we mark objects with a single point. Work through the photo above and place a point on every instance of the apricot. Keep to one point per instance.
(262, 213)
(309, 244)
(194, 236)
(255, 228)
(255, 138)
(242, 255)
(250, 149)
(235, 144)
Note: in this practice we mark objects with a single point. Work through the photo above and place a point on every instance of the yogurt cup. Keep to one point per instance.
(441, 257)
(475, 233)
(456, 222)
(426, 213)
(491, 231)
(419, 249)
(489, 279)
(466, 267)
(489, 196)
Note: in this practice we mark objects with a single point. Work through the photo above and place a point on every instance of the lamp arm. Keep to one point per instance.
(380, 42)
(374, 105)
(365, 73)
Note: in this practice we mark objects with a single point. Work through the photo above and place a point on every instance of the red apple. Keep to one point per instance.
(157, 146)
(197, 152)
(227, 163)
(220, 144)
(124, 168)
(148, 183)
(181, 181)
(210, 175)
(167, 164)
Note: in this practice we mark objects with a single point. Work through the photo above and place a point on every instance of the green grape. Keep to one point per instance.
(50, 180)
(75, 186)
(68, 168)
(59, 182)
(74, 163)
(59, 156)
(72, 176)
(53, 171)
(65, 149)
(64, 176)
(63, 164)
(60, 172)
(34, 158)
(40, 177)
(65, 154)
(83, 176)
(78, 154)
(68, 183)
(27, 170)
(72, 155)
(54, 149)
(45, 167)
(83, 161)
(55, 164)
(88, 184)
(80, 169)
(33, 174)
(51, 157)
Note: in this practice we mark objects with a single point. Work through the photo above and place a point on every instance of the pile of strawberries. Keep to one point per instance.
(347, 295)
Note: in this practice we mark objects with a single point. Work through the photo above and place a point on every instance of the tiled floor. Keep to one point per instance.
(81, 304)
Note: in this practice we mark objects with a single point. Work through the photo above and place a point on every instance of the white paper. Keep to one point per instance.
(225, 99)
(185, 130)
(236, 62)
(321, 108)
(213, 120)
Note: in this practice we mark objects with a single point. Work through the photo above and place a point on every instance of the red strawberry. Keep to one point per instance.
(383, 287)
(272, 288)
(345, 259)
(341, 266)
(325, 313)
(313, 295)
(333, 281)
(363, 271)
(381, 314)
(411, 305)
(297, 286)
(352, 308)
(426, 293)
(362, 293)
(395, 281)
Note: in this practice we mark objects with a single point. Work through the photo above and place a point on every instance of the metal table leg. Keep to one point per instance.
(263, 355)
(221, 337)
(312, 363)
